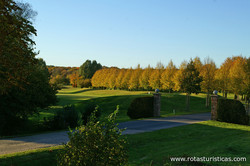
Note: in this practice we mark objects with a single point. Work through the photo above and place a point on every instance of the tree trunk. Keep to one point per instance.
(187, 102)
(235, 97)
(225, 94)
(207, 100)
(246, 104)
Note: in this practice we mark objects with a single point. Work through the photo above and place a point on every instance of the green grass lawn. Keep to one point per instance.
(109, 99)
(206, 139)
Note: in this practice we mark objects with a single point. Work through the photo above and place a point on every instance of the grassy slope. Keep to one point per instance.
(207, 139)
(109, 99)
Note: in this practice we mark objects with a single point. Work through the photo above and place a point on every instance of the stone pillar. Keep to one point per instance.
(157, 104)
(214, 103)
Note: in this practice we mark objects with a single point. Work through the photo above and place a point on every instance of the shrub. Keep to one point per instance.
(232, 111)
(97, 143)
(67, 117)
(88, 110)
(141, 107)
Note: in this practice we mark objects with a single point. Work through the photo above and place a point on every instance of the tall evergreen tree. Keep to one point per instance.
(88, 69)
(190, 82)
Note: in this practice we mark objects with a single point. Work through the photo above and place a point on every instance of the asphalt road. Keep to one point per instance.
(20, 144)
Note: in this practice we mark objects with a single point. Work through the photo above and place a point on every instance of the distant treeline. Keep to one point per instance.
(76, 76)
(232, 76)
(61, 75)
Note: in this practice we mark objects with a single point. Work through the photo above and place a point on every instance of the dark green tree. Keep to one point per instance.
(190, 82)
(24, 80)
(16, 45)
(88, 69)
(21, 102)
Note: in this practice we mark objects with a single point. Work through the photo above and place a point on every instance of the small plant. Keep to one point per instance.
(96, 143)
(141, 107)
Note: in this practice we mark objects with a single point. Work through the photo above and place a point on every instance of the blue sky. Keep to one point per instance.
(125, 33)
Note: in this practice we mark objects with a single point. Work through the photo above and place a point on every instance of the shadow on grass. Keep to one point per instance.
(170, 102)
(206, 139)
(80, 91)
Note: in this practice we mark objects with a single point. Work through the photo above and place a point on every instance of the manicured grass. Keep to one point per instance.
(109, 99)
(206, 139)
(39, 157)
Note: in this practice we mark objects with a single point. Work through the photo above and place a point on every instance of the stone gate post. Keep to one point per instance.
(214, 103)
(157, 104)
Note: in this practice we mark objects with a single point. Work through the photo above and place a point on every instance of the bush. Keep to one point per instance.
(97, 143)
(141, 107)
(232, 111)
(88, 110)
(67, 117)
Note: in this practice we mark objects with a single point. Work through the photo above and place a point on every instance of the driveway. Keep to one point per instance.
(19, 144)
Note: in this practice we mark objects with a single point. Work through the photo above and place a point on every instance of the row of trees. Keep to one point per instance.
(232, 76)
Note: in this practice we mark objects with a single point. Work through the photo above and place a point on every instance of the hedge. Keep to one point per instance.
(232, 111)
(141, 107)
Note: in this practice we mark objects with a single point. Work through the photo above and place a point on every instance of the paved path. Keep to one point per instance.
(19, 144)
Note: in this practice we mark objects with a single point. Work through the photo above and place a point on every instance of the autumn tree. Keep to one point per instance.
(246, 82)
(118, 81)
(126, 78)
(179, 76)
(144, 79)
(134, 80)
(236, 75)
(112, 77)
(198, 64)
(96, 79)
(222, 77)
(103, 78)
(155, 77)
(74, 78)
(190, 81)
(167, 77)
(207, 72)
